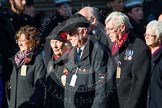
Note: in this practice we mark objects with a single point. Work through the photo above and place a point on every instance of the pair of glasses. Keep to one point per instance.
(74, 32)
(113, 29)
(149, 35)
(17, 41)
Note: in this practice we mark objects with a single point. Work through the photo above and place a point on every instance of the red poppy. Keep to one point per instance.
(65, 71)
(27, 60)
(63, 35)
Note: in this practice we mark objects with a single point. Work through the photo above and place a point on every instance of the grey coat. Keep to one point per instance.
(91, 89)
(54, 89)
(28, 89)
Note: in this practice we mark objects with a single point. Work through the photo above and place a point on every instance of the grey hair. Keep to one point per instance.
(88, 29)
(155, 26)
(92, 11)
(119, 18)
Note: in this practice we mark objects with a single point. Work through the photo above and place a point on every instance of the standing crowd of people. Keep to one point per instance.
(80, 58)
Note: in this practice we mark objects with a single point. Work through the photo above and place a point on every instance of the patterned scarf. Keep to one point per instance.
(21, 55)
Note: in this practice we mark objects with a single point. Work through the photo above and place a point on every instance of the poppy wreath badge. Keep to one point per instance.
(63, 77)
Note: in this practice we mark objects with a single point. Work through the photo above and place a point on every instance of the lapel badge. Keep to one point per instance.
(25, 19)
(11, 19)
(128, 54)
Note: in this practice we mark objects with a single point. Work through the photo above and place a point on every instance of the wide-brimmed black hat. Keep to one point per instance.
(77, 20)
(56, 34)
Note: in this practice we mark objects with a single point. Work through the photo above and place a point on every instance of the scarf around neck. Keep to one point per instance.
(21, 55)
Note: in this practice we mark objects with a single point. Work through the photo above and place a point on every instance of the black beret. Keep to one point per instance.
(76, 20)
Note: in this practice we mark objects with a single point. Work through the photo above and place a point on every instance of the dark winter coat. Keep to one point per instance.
(139, 28)
(54, 89)
(133, 58)
(155, 91)
(90, 90)
(11, 24)
(28, 89)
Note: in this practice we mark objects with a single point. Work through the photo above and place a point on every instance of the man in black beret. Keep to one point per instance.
(86, 84)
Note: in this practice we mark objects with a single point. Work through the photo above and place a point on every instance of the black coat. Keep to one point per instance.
(11, 24)
(139, 28)
(134, 60)
(90, 90)
(155, 91)
(54, 89)
(28, 89)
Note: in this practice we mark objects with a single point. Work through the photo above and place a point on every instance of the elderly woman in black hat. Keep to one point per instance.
(56, 70)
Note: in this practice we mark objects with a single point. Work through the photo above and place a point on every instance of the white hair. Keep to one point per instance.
(119, 18)
(155, 26)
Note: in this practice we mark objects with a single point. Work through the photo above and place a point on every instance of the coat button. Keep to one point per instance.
(11, 19)
(25, 19)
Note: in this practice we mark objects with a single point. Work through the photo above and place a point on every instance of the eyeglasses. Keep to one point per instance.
(17, 41)
(150, 35)
(112, 29)
(73, 33)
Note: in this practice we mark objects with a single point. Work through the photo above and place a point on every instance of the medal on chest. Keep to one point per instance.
(128, 54)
